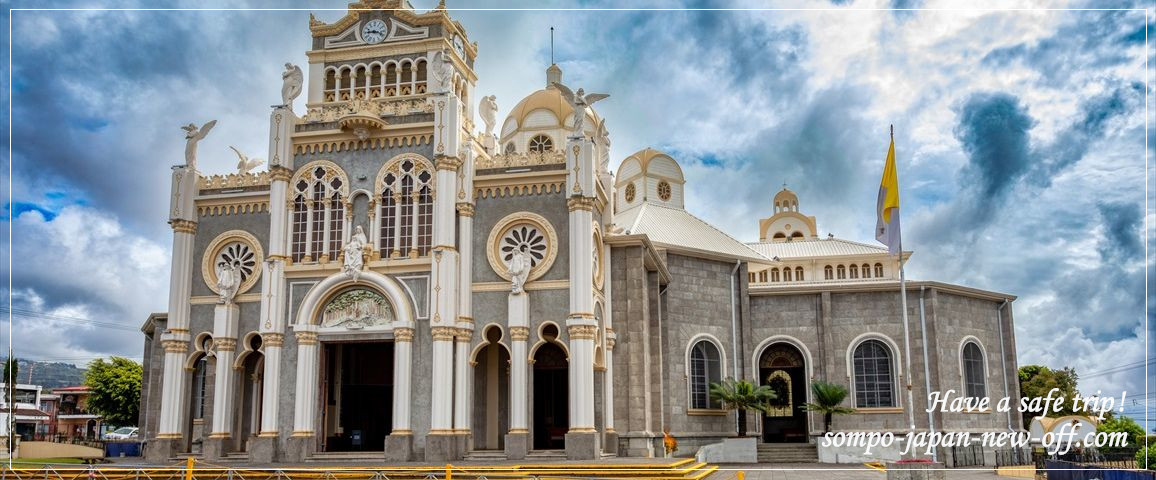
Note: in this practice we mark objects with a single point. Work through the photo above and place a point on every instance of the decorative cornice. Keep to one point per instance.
(183, 226)
(517, 190)
(580, 203)
(534, 285)
(333, 146)
(223, 344)
(530, 159)
(278, 173)
(233, 180)
(582, 332)
(232, 208)
(403, 334)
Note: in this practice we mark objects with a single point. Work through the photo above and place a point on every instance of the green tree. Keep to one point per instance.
(1037, 380)
(742, 395)
(115, 389)
(1124, 424)
(828, 397)
(11, 371)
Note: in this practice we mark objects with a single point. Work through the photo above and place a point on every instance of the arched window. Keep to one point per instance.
(854, 271)
(878, 270)
(974, 384)
(787, 274)
(866, 271)
(705, 369)
(406, 216)
(510, 149)
(318, 213)
(541, 143)
(828, 273)
(798, 274)
(763, 276)
(842, 272)
(200, 371)
(774, 274)
(874, 386)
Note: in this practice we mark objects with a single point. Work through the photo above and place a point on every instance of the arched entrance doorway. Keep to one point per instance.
(782, 367)
(551, 393)
(250, 390)
(491, 392)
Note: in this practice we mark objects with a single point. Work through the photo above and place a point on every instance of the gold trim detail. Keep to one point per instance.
(219, 435)
(175, 346)
(582, 332)
(233, 180)
(582, 430)
(306, 338)
(272, 434)
(183, 226)
(535, 285)
(403, 334)
(580, 203)
(333, 146)
(519, 334)
(516, 190)
(301, 433)
(509, 222)
(516, 431)
(272, 339)
(529, 159)
(403, 431)
(280, 173)
(208, 270)
(443, 334)
(223, 344)
(233, 208)
(169, 436)
(444, 162)
(465, 209)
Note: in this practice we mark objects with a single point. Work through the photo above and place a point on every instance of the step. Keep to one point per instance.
(345, 456)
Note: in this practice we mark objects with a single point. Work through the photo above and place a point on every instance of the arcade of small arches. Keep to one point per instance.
(391, 78)
(842, 272)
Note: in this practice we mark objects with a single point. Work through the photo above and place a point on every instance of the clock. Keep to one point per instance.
(373, 31)
(459, 46)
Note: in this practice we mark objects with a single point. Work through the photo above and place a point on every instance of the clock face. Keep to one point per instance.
(460, 46)
(373, 31)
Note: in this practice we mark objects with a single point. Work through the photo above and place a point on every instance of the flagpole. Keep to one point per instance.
(906, 330)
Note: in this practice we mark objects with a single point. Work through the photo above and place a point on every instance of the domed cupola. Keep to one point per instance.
(542, 120)
(649, 176)
(787, 224)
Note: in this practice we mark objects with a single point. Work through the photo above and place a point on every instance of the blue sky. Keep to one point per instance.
(1020, 140)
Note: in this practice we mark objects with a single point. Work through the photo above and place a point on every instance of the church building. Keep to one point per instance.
(402, 284)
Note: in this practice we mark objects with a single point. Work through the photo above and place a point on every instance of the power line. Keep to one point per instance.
(64, 318)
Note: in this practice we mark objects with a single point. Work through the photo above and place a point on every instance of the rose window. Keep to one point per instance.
(526, 238)
(664, 191)
(630, 192)
(240, 256)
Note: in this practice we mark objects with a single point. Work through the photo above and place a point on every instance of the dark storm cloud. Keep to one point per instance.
(1072, 143)
(1122, 232)
(994, 131)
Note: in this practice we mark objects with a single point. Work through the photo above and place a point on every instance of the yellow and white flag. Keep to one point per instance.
(887, 208)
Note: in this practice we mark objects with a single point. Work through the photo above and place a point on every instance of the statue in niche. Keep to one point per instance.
(228, 281)
(518, 267)
(354, 254)
(443, 71)
(579, 100)
(192, 136)
(292, 80)
(489, 111)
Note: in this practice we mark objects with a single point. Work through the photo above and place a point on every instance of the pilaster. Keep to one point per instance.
(225, 319)
(399, 442)
(305, 398)
(183, 219)
(582, 441)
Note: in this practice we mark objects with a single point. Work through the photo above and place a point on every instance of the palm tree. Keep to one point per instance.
(741, 395)
(828, 396)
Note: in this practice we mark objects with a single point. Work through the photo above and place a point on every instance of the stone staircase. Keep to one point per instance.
(788, 453)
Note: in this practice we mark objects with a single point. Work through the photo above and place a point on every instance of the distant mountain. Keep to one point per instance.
(49, 374)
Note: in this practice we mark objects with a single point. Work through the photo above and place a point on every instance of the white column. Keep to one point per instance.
(305, 399)
(271, 387)
(272, 320)
(581, 323)
(316, 82)
(519, 314)
(462, 376)
(225, 319)
(183, 219)
(402, 379)
(441, 391)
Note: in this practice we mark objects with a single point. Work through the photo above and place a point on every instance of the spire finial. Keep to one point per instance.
(551, 45)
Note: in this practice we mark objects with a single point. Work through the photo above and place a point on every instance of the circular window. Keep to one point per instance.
(629, 194)
(527, 232)
(237, 248)
(664, 190)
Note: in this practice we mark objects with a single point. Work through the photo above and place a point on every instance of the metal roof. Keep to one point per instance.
(829, 247)
(677, 229)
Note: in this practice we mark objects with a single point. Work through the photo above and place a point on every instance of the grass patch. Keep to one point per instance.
(40, 462)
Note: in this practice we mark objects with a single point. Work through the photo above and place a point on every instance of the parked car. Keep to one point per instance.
(122, 433)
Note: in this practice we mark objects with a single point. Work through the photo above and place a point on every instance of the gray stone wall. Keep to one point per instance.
(209, 227)
(153, 367)
(489, 211)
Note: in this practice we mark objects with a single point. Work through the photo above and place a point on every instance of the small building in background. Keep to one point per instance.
(25, 408)
(74, 422)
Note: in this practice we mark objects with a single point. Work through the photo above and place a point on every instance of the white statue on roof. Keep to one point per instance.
(292, 79)
(488, 108)
(244, 163)
(192, 136)
(579, 100)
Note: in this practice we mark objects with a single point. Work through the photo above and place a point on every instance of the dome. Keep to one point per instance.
(786, 200)
(545, 111)
(649, 175)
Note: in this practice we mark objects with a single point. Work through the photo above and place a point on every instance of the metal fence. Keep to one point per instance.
(969, 456)
(1117, 458)
(1013, 456)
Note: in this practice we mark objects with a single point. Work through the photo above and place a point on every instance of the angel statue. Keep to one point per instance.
(580, 101)
(443, 70)
(228, 281)
(244, 163)
(489, 110)
(292, 79)
(192, 136)
(354, 254)
(518, 267)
